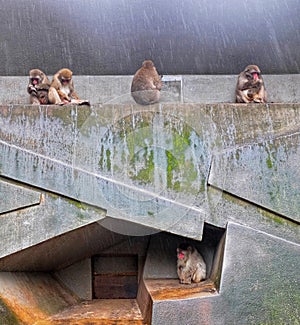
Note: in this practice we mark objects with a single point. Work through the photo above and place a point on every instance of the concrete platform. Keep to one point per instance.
(177, 88)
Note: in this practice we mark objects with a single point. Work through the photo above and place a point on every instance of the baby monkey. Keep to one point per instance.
(146, 84)
(38, 87)
(250, 86)
(190, 264)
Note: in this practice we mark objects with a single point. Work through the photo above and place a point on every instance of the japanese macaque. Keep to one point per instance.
(250, 86)
(38, 84)
(42, 93)
(146, 84)
(190, 264)
(62, 90)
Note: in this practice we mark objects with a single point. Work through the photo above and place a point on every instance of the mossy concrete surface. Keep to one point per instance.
(93, 176)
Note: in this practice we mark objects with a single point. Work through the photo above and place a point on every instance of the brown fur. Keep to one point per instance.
(59, 92)
(36, 79)
(190, 268)
(146, 84)
(249, 89)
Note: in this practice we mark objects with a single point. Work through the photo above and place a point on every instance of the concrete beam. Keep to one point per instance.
(204, 89)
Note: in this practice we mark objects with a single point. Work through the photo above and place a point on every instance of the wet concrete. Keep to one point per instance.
(205, 89)
(109, 173)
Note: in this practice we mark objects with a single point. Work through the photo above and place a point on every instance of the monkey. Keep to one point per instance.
(62, 90)
(250, 86)
(36, 79)
(146, 84)
(42, 93)
(190, 264)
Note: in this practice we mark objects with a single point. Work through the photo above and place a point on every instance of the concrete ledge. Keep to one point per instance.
(177, 88)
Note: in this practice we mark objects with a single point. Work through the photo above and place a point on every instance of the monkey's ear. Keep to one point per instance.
(178, 250)
(190, 248)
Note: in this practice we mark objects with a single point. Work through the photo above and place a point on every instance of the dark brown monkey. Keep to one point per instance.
(146, 84)
(36, 79)
(250, 86)
(190, 264)
(42, 93)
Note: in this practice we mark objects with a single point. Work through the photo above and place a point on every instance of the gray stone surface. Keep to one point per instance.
(269, 171)
(78, 278)
(146, 165)
(260, 284)
(14, 197)
(177, 88)
(111, 168)
(53, 217)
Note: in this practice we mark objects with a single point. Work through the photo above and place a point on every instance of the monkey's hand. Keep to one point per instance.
(31, 90)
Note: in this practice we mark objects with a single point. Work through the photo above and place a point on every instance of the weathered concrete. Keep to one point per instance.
(110, 172)
(78, 278)
(147, 165)
(54, 216)
(177, 88)
(14, 197)
(260, 284)
(33, 297)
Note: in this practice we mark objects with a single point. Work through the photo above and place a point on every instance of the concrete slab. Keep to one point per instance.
(265, 173)
(247, 285)
(53, 217)
(14, 197)
(146, 165)
(177, 88)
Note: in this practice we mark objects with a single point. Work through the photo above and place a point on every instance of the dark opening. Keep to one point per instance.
(115, 276)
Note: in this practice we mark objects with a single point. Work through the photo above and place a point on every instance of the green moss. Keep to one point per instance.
(78, 204)
(269, 162)
(108, 161)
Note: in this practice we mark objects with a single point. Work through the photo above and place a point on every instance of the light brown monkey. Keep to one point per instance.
(190, 264)
(62, 88)
(146, 84)
(36, 79)
(250, 86)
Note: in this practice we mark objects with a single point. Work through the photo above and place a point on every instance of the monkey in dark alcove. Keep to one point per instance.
(190, 264)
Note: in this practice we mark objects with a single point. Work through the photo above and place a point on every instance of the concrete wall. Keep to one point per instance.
(177, 88)
(104, 37)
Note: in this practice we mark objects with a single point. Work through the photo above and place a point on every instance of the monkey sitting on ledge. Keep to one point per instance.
(146, 84)
(190, 264)
(38, 87)
(62, 90)
(250, 86)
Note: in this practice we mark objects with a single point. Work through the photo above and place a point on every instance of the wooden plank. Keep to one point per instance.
(115, 286)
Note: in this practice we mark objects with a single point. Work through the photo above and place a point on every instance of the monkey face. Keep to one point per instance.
(65, 76)
(252, 72)
(180, 254)
(35, 80)
(65, 81)
(43, 97)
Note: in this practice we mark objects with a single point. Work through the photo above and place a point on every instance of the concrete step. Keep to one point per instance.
(100, 311)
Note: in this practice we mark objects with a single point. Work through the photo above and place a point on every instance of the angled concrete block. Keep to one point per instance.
(13, 197)
(260, 284)
(266, 174)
